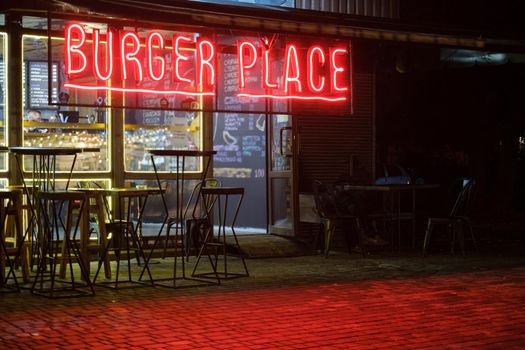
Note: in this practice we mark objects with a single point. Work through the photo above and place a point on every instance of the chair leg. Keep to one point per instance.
(360, 233)
(428, 236)
(328, 233)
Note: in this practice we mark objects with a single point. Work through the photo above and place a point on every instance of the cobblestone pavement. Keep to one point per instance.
(342, 302)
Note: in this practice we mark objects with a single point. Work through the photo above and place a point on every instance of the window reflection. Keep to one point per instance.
(3, 97)
(160, 129)
(61, 126)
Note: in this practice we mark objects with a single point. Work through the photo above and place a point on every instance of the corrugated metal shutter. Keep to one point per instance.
(373, 8)
(326, 144)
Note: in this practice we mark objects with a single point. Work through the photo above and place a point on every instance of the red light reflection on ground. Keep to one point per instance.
(463, 310)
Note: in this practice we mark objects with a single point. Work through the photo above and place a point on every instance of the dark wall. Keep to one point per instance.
(327, 144)
(446, 123)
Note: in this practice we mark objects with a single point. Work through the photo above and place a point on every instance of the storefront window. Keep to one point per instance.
(32, 22)
(160, 129)
(61, 126)
(3, 97)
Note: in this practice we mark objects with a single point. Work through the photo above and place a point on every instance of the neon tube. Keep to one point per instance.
(206, 61)
(336, 69)
(292, 97)
(311, 52)
(292, 63)
(267, 84)
(147, 91)
(74, 48)
(109, 54)
(130, 56)
(152, 58)
(177, 76)
(242, 65)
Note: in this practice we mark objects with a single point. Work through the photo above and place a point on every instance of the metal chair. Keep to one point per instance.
(217, 200)
(124, 237)
(456, 221)
(47, 281)
(196, 225)
(332, 218)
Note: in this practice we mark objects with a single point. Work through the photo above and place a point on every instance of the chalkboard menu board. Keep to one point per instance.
(240, 142)
(239, 138)
(38, 90)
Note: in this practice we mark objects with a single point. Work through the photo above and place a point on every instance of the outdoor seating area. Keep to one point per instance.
(367, 221)
(53, 253)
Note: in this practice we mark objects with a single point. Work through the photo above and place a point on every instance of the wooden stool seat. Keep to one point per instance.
(12, 245)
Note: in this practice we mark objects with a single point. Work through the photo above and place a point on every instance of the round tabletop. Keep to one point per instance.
(51, 151)
(180, 153)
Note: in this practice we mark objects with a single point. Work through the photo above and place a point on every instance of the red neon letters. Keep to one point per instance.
(243, 66)
(125, 62)
(137, 57)
(312, 73)
(155, 60)
(76, 61)
(109, 55)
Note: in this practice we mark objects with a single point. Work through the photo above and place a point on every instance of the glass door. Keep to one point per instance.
(281, 184)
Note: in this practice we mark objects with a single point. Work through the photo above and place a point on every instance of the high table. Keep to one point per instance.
(43, 178)
(177, 221)
(394, 210)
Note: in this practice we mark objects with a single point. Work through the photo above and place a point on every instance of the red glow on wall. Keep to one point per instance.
(292, 71)
(180, 59)
(242, 48)
(155, 62)
(75, 58)
(108, 56)
(313, 68)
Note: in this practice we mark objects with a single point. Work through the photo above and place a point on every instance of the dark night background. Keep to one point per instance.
(444, 118)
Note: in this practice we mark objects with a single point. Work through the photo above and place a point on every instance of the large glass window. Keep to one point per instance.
(61, 126)
(3, 97)
(161, 129)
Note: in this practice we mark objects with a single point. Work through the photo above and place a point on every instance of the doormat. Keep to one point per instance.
(271, 246)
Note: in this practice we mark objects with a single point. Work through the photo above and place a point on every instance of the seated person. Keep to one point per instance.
(359, 203)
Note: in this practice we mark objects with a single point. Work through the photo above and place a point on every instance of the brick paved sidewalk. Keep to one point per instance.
(312, 303)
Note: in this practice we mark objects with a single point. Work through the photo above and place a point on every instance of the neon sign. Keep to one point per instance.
(122, 61)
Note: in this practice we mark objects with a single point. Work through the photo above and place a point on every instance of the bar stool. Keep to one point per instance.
(12, 245)
(47, 283)
(98, 206)
(217, 200)
(123, 236)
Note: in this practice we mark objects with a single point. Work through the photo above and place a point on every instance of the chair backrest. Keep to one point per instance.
(195, 202)
(462, 204)
(324, 200)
